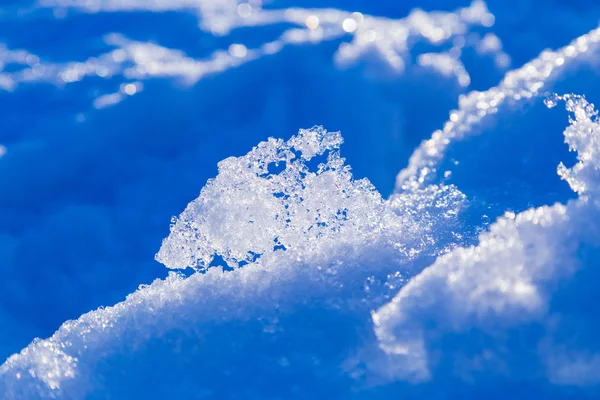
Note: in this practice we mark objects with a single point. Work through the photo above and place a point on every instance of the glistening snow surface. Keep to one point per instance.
(250, 209)
(471, 304)
(339, 237)
(475, 278)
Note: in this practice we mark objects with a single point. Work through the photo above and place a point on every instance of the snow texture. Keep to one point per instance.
(502, 284)
(389, 40)
(105, 149)
(303, 235)
(305, 282)
(464, 311)
(249, 210)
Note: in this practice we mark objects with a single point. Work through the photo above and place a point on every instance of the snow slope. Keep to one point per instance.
(474, 278)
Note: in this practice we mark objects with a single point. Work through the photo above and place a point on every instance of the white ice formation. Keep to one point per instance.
(249, 210)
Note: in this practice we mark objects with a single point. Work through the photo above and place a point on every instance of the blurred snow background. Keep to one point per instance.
(117, 112)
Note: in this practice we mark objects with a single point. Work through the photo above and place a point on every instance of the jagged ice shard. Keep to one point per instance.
(250, 210)
(330, 291)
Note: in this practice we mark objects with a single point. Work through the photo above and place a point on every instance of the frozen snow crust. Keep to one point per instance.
(475, 278)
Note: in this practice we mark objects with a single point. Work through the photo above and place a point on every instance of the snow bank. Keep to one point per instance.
(126, 122)
(508, 306)
(289, 315)
(309, 237)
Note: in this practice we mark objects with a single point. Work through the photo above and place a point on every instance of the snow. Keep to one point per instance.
(501, 285)
(249, 210)
(532, 80)
(487, 299)
(391, 41)
(296, 276)
(337, 234)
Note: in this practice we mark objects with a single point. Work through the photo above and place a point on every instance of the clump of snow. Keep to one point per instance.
(582, 136)
(482, 298)
(249, 210)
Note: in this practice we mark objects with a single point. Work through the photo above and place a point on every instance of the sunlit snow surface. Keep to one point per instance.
(474, 278)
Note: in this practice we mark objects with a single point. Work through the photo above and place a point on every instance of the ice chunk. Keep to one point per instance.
(502, 307)
(273, 200)
(249, 209)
